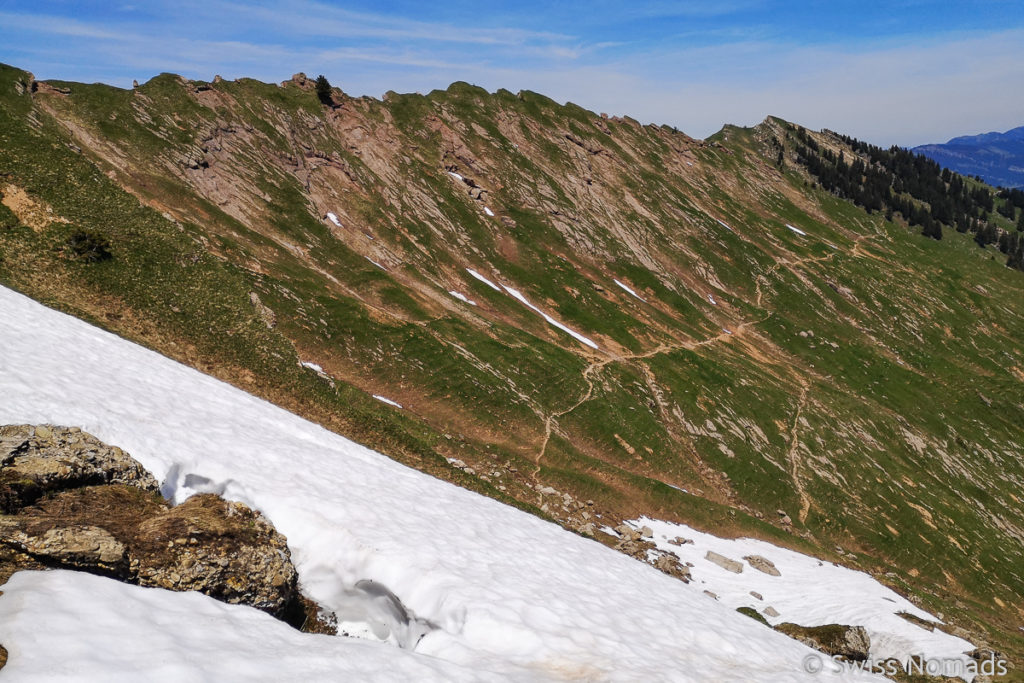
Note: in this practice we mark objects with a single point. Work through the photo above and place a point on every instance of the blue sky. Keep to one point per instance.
(901, 72)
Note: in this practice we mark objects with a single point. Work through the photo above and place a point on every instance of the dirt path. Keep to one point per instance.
(792, 455)
(550, 422)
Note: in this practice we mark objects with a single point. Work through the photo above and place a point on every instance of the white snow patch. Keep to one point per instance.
(726, 331)
(551, 321)
(455, 175)
(334, 219)
(482, 279)
(375, 263)
(796, 230)
(509, 596)
(462, 297)
(628, 290)
(312, 366)
(712, 299)
(387, 400)
(488, 211)
(72, 626)
(809, 592)
(722, 223)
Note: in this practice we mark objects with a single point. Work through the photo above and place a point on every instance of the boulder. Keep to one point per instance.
(771, 612)
(35, 460)
(849, 642)
(78, 503)
(762, 564)
(724, 562)
(670, 565)
(221, 548)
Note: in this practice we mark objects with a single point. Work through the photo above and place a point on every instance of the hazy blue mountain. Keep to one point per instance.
(997, 157)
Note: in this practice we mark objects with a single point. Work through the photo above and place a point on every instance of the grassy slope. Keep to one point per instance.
(901, 442)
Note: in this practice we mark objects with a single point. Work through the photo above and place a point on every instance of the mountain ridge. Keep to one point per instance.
(996, 157)
(781, 350)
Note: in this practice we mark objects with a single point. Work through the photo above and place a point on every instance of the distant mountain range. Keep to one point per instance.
(997, 157)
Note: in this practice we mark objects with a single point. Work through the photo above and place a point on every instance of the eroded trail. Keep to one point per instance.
(792, 451)
(551, 421)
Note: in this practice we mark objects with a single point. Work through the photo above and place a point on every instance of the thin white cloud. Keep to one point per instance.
(904, 90)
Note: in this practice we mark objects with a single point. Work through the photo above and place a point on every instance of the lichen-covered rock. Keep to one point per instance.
(851, 642)
(78, 503)
(35, 460)
(221, 548)
(763, 564)
(75, 547)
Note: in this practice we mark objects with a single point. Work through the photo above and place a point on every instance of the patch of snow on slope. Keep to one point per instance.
(510, 596)
(375, 263)
(809, 592)
(91, 628)
(796, 230)
(722, 223)
(488, 211)
(312, 366)
(462, 297)
(628, 290)
(333, 219)
(382, 399)
(711, 298)
(455, 175)
(482, 279)
(551, 321)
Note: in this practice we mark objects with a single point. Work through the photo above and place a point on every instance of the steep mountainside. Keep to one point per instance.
(559, 302)
(998, 158)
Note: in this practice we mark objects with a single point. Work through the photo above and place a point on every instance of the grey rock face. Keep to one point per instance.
(35, 460)
(724, 562)
(762, 564)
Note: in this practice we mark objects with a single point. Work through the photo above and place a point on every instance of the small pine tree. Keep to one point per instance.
(1020, 222)
(323, 89)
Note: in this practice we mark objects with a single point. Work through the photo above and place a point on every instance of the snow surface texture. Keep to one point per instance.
(809, 592)
(722, 223)
(796, 230)
(482, 279)
(462, 297)
(72, 626)
(334, 219)
(628, 289)
(488, 211)
(503, 594)
(387, 400)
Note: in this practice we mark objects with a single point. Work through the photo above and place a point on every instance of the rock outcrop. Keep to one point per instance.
(724, 562)
(35, 460)
(762, 564)
(850, 642)
(80, 504)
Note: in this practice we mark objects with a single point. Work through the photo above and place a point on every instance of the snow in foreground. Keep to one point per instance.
(72, 626)
(493, 591)
(809, 592)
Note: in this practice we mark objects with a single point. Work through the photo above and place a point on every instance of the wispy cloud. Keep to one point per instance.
(691, 64)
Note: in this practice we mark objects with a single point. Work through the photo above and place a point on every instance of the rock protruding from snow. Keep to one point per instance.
(724, 562)
(851, 642)
(103, 514)
(35, 460)
(762, 564)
